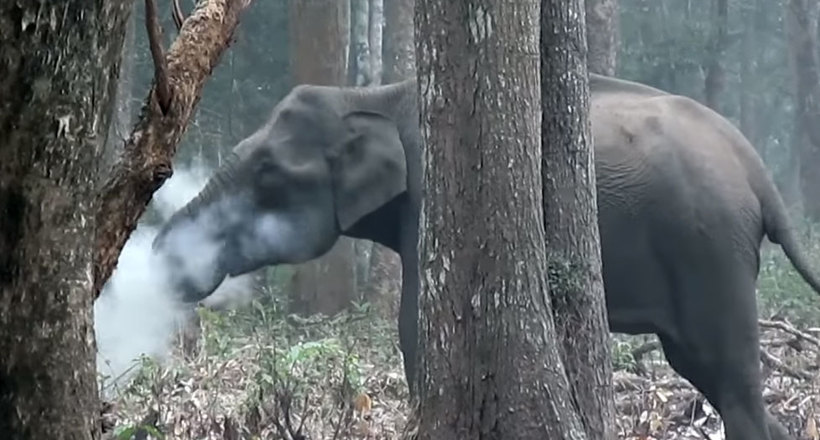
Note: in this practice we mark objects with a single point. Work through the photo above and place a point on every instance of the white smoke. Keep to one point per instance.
(136, 313)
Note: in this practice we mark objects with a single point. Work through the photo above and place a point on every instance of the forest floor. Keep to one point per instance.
(246, 375)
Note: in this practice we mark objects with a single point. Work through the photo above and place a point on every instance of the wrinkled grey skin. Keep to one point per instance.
(684, 202)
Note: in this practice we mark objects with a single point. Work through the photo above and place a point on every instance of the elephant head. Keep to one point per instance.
(325, 159)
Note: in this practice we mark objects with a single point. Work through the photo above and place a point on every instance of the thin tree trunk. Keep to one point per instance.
(399, 52)
(360, 73)
(376, 32)
(748, 104)
(146, 157)
(57, 88)
(802, 17)
(715, 81)
(384, 280)
(320, 37)
(603, 35)
(490, 365)
(571, 216)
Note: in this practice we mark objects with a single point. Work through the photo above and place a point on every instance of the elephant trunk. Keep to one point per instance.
(190, 245)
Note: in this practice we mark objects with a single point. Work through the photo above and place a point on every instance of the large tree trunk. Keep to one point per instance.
(603, 35)
(320, 36)
(715, 80)
(571, 216)
(399, 52)
(490, 365)
(802, 17)
(57, 84)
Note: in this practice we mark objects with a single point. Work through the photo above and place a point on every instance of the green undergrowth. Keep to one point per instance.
(261, 373)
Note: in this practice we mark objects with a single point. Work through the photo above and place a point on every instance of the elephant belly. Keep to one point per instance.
(638, 296)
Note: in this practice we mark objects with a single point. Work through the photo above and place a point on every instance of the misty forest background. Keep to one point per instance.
(670, 44)
(735, 55)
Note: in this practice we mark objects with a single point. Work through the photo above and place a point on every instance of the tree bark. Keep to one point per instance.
(57, 82)
(603, 35)
(399, 51)
(715, 80)
(376, 32)
(802, 17)
(384, 282)
(320, 36)
(319, 41)
(360, 73)
(147, 154)
(571, 216)
(490, 367)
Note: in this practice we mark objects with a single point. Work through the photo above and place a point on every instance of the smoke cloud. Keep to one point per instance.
(136, 314)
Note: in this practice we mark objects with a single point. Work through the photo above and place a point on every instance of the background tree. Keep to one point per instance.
(802, 16)
(50, 150)
(603, 35)
(319, 47)
(490, 365)
(571, 216)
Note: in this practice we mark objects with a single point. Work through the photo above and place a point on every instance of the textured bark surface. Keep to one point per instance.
(376, 34)
(571, 216)
(802, 17)
(320, 40)
(147, 154)
(603, 35)
(360, 73)
(57, 81)
(490, 366)
(399, 51)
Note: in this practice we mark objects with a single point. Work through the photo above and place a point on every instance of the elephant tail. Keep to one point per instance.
(788, 241)
(780, 230)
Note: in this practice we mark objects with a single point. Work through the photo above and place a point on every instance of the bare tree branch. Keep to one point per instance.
(162, 89)
(146, 156)
(176, 13)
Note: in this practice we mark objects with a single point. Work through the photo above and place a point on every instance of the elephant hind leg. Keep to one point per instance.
(730, 386)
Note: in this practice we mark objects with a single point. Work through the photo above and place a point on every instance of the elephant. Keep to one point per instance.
(684, 202)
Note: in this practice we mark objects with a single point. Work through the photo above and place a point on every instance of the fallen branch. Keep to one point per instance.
(772, 362)
(788, 328)
(147, 155)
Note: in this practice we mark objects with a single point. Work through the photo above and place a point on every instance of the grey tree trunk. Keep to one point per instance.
(384, 280)
(715, 81)
(802, 19)
(603, 35)
(376, 33)
(490, 365)
(360, 70)
(571, 216)
(320, 37)
(56, 83)
(399, 51)
(123, 118)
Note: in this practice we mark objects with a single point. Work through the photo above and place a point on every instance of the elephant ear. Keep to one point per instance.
(368, 167)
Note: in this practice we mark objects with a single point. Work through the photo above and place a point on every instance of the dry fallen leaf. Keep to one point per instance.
(362, 403)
